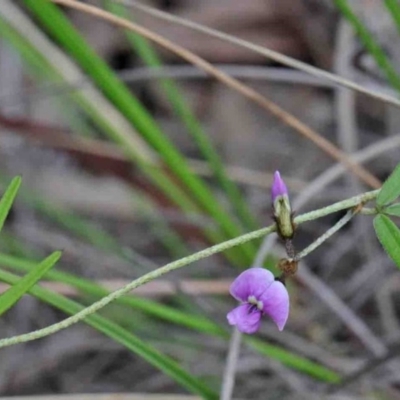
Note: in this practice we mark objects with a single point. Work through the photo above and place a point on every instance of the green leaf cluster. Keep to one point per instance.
(386, 230)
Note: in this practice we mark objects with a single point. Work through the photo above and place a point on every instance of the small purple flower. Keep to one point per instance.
(278, 188)
(260, 294)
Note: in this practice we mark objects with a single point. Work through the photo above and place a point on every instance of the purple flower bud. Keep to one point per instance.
(278, 188)
(260, 295)
(281, 207)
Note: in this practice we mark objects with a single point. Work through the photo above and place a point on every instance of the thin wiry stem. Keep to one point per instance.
(351, 320)
(345, 204)
(333, 173)
(228, 381)
(234, 84)
(273, 55)
(181, 72)
(393, 351)
(341, 205)
(340, 224)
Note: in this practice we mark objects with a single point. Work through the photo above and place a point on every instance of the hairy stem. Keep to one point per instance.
(342, 205)
(340, 224)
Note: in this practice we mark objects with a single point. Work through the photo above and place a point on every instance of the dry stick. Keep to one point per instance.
(228, 381)
(392, 353)
(264, 51)
(233, 83)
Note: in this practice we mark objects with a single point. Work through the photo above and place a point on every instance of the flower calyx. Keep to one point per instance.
(282, 210)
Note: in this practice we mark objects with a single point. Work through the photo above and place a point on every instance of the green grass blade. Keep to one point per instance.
(8, 198)
(60, 27)
(393, 7)
(43, 69)
(390, 190)
(147, 53)
(294, 361)
(122, 336)
(184, 319)
(146, 305)
(370, 43)
(15, 292)
(389, 236)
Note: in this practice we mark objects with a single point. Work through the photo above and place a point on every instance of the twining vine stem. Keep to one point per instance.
(347, 204)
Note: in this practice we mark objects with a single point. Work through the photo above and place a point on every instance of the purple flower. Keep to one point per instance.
(278, 188)
(260, 294)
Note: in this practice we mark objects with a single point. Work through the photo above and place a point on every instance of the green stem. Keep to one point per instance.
(342, 205)
(330, 232)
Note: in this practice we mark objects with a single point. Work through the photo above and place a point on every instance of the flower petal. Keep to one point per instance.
(252, 282)
(246, 318)
(278, 187)
(276, 303)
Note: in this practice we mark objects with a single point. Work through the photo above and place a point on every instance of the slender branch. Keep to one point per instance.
(228, 381)
(266, 52)
(341, 205)
(248, 92)
(345, 204)
(367, 368)
(340, 224)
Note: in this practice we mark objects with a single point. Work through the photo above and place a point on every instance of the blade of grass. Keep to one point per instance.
(43, 63)
(370, 43)
(146, 305)
(148, 54)
(8, 198)
(231, 82)
(198, 323)
(292, 360)
(393, 7)
(60, 28)
(114, 129)
(83, 229)
(122, 336)
(15, 292)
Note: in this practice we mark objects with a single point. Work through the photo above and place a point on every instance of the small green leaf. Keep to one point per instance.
(394, 209)
(390, 188)
(14, 293)
(8, 198)
(389, 236)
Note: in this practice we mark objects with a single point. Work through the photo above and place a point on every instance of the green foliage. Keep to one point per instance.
(393, 209)
(370, 43)
(194, 128)
(294, 361)
(393, 7)
(15, 292)
(122, 336)
(64, 32)
(390, 189)
(8, 199)
(389, 236)
(185, 319)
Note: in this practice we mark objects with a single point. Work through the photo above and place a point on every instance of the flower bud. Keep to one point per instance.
(281, 207)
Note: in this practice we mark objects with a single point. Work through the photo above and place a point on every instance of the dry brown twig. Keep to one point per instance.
(234, 84)
(333, 78)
